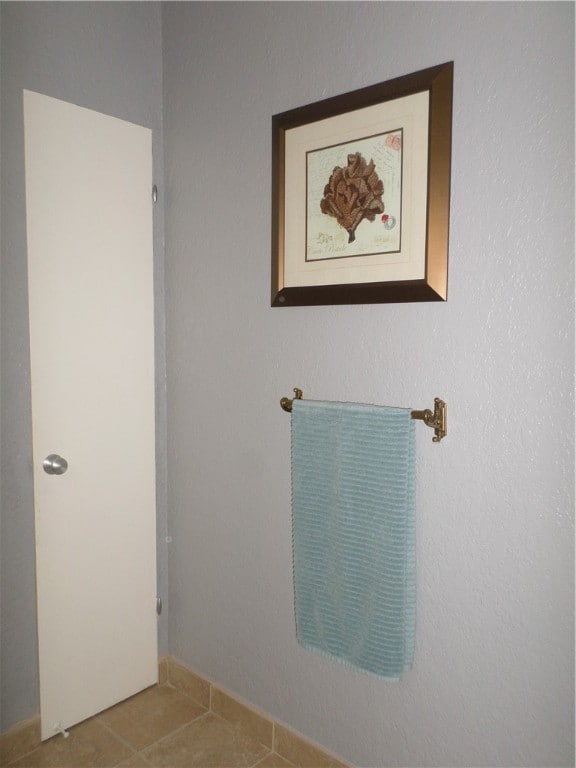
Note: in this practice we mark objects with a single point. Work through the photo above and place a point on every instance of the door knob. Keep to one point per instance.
(54, 464)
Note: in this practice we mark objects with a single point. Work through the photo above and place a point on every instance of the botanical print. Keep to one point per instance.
(354, 197)
(353, 193)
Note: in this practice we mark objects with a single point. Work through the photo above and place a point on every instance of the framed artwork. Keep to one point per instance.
(361, 194)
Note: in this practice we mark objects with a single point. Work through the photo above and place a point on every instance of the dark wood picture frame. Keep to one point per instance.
(432, 187)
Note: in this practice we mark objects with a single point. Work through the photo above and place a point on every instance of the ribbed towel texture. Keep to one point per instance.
(353, 533)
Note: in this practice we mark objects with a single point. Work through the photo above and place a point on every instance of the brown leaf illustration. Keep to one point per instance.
(353, 193)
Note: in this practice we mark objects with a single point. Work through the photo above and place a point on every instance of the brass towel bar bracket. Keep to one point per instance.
(286, 403)
(435, 419)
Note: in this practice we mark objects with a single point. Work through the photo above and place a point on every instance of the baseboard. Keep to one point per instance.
(275, 735)
(19, 740)
(24, 737)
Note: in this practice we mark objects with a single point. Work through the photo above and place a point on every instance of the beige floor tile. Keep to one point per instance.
(185, 681)
(151, 715)
(89, 745)
(300, 752)
(136, 761)
(273, 761)
(20, 740)
(208, 742)
(236, 712)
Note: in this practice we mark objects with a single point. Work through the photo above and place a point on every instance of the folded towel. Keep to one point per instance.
(353, 533)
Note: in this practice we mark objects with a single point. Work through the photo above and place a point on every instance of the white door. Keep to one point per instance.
(89, 228)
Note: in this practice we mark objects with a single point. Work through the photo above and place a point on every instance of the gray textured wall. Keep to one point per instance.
(493, 677)
(107, 57)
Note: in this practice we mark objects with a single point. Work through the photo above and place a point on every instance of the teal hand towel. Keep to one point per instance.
(353, 533)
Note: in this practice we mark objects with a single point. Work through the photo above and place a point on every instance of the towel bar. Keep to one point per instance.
(435, 419)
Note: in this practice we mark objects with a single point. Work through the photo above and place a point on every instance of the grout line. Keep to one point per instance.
(256, 764)
(264, 716)
(21, 757)
(100, 722)
(271, 753)
(142, 756)
(186, 695)
(148, 746)
(116, 736)
(174, 732)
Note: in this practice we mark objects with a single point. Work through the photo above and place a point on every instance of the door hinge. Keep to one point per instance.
(158, 605)
(154, 194)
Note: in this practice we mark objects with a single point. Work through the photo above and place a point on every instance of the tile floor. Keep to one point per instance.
(160, 727)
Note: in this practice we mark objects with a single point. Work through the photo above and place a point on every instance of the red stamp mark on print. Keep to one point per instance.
(393, 141)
